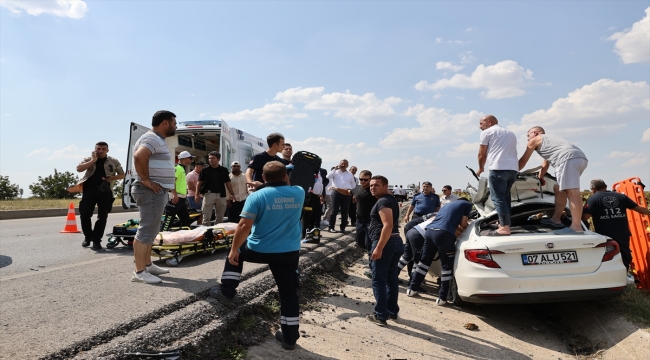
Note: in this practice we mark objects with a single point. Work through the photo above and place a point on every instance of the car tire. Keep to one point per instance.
(452, 296)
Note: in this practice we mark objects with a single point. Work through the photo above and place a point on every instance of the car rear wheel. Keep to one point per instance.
(452, 296)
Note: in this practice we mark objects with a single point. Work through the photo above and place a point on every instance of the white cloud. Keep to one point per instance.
(466, 57)
(504, 79)
(620, 154)
(600, 106)
(445, 65)
(438, 40)
(68, 152)
(464, 150)
(203, 114)
(459, 42)
(637, 161)
(366, 109)
(332, 152)
(646, 136)
(277, 113)
(435, 125)
(632, 45)
(469, 29)
(437, 96)
(75, 9)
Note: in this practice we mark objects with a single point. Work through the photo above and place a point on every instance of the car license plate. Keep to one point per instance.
(550, 258)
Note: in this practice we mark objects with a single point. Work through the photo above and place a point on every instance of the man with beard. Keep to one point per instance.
(213, 182)
(153, 177)
(238, 183)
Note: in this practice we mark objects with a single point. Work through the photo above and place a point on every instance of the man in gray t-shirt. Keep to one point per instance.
(498, 149)
(569, 163)
(154, 177)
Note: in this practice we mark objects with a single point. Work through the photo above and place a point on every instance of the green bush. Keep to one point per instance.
(54, 186)
(8, 191)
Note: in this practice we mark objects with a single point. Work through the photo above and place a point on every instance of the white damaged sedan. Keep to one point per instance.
(532, 265)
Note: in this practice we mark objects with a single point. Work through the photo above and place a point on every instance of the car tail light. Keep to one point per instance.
(483, 257)
(611, 249)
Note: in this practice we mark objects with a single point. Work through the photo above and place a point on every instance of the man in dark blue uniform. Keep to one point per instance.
(424, 203)
(440, 236)
(608, 212)
(269, 233)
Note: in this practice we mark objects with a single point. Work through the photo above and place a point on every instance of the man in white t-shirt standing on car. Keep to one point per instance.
(498, 148)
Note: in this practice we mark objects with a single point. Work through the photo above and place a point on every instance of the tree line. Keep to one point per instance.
(54, 186)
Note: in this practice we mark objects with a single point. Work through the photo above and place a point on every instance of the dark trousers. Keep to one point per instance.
(626, 253)
(171, 210)
(361, 235)
(352, 212)
(341, 203)
(429, 251)
(412, 250)
(235, 210)
(90, 198)
(385, 284)
(284, 267)
(409, 225)
(311, 219)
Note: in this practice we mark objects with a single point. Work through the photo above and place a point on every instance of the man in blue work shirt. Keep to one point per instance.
(269, 233)
(424, 203)
(440, 235)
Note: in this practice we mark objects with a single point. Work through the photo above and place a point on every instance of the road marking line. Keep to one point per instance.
(67, 266)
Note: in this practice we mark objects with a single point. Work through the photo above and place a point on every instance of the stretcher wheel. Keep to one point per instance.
(112, 242)
(171, 262)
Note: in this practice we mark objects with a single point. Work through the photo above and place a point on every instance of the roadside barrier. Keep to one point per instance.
(640, 228)
(70, 221)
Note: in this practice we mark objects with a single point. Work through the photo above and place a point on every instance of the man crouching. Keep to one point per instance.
(273, 213)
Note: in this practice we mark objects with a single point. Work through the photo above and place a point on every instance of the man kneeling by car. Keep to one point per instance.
(273, 214)
(449, 223)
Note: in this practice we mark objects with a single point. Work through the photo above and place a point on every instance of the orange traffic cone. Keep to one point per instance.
(70, 221)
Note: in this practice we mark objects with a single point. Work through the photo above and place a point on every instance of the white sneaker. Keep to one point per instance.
(153, 269)
(411, 293)
(440, 302)
(630, 279)
(145, 277)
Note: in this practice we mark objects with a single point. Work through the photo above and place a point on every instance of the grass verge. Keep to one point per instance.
(634, 304)
(36, 204)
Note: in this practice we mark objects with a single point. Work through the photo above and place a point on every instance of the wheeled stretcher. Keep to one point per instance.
(173, 246)
(124, 233)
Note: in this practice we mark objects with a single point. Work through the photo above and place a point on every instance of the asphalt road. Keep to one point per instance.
(55, 293)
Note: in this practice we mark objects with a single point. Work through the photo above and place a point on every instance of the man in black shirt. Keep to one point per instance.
(97, 189)
(608, 212)
(364, 201)
(212, 184)
(275, 141)
(386, 249)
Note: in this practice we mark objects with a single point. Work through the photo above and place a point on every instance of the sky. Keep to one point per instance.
(397, 88)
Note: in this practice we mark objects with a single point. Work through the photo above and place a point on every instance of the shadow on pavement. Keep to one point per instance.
(5, 261)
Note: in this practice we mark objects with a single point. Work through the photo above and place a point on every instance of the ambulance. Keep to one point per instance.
(199, 137)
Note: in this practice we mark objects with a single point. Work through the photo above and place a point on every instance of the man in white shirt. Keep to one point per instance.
(238, 182)
(447, 196)
(498, 148)
(342, 179)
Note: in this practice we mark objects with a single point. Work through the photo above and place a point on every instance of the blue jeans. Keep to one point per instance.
(500, 183)
(385, 284)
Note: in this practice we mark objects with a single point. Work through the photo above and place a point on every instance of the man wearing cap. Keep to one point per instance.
(238, 182)
(213, 182)
(177, 205)
(192, 178)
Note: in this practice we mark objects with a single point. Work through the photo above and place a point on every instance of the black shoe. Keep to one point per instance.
(216, 293)
(374, 319)
(400, 281)
(278, 337)
(392, 317)
(97, 246)
(86, 243)
(420, 289)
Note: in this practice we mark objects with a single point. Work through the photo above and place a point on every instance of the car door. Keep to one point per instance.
(136, 130)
